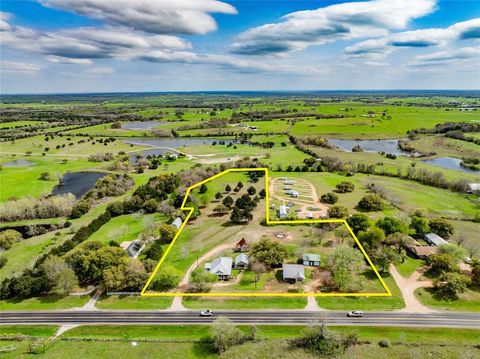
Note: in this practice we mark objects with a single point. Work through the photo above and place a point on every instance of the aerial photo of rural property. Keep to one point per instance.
(189, 179)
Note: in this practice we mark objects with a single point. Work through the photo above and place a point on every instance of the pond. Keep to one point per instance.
(19, 163)
(387, 146)
(77, 183)
(164, 145)
(142, 125)
(450, 163)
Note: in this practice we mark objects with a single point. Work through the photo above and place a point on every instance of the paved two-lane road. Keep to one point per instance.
(387, 319)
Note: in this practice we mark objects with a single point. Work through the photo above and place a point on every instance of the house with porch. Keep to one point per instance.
(311, 259)
(221, 267)
(241, 261)
(293, 273)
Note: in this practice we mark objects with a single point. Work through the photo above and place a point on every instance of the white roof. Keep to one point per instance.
(241, 258)
(283, 209)
(221, 266)
(435, 239)
(474, 186)
(177, 223)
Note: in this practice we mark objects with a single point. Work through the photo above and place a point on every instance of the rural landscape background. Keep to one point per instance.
(361, 239)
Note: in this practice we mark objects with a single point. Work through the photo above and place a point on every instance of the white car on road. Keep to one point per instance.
(355, 314)
(206, 313)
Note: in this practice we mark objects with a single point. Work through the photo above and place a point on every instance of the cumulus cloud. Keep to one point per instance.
(301, 29)
(154, 16)
(20, 67)
(442, 58)
(81, 45)
(419, 38)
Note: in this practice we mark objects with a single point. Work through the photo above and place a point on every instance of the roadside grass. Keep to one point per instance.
(394, 302)
(409, 266)
(468, 301)
(48, 302)
(133, 302)
(40, 331)
(245, 303)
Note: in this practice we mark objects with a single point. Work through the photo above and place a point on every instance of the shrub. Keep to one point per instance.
(384, 343)
(8, 238)
(166, 278)
(371, 202)
(345, 186)
(330, 198)
(442, 227)
(79, 209)
(337, 212)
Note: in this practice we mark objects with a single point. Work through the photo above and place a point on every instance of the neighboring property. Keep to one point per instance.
(177, 223)
(242, 246)
(435, 240)
(311, 259)
(222, 267)
(241, 261)
(132, 248)
(419, 251)
(289, 182)
(293, 273)
(282, 212)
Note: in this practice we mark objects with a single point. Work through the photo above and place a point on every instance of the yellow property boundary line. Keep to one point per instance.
(144, 292)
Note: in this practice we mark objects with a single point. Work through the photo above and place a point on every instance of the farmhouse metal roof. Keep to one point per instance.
(435, 239)
(312, 257)
(293, 271)
(221, 266)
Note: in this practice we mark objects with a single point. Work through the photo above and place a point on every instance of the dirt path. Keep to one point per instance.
(408, 286)
(211, 253)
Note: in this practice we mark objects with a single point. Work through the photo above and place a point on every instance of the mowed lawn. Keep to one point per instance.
(467, 301)
(126, 228)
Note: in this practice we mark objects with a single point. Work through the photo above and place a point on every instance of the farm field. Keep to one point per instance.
(248, 131)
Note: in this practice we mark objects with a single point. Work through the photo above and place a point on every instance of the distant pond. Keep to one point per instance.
(387, 146)
(450, 163)
(19, 163)
(77, 183)
(142, 125)
(160, 146)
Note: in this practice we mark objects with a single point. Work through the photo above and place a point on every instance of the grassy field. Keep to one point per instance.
(125, 228)
(30, 183)
(132, 302)
(20, 123)
(40, 331)
(185, 342)
(409, 266)
(394, 302)
(48, 302)
(468, 301)
(245, 303)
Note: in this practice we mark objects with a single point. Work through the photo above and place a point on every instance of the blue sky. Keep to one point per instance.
(193, 45)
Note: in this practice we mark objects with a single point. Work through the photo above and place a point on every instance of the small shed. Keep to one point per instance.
(435, 240)
(242, 246)
(282, 212)
(294, 194)
(177, 223)
(293, 273)
(473, 188)
(311, 259)
(241, 261)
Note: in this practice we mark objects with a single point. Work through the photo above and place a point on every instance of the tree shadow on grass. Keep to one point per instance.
(204, 347)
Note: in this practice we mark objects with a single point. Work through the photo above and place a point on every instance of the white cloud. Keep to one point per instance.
(419, 38)
(100, 71)
(154, 16)
(342, 21)
(20, 67)
(442, 58)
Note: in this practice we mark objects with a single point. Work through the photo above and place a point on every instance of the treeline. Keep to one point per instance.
(333, 164)
(32, 208)
(455, 130)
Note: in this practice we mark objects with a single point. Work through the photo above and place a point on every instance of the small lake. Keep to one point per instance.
(161, 145)
(387, 146)
(142, 125)
(450, 163)
(77, 183)
(19, 163)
